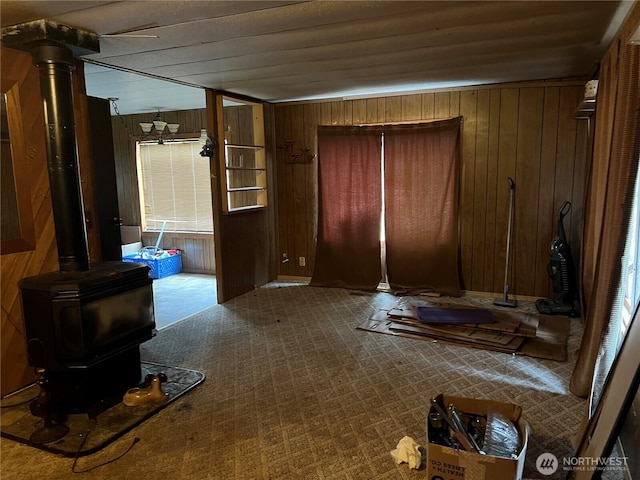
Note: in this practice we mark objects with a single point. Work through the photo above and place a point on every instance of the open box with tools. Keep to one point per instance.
(470, 439)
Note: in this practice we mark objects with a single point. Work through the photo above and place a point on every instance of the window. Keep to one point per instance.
(624, 305)
(175, 187)
(629, 294)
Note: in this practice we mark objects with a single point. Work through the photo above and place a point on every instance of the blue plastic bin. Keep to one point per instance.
(161, 267)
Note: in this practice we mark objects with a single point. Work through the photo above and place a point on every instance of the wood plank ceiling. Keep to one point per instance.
(284, 50)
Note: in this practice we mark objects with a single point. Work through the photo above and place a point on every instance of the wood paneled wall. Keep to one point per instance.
(17, 67)
(197, 250)
(523, 131)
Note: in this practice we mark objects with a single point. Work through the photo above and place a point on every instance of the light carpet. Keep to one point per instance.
(169, 294)
(294, 391)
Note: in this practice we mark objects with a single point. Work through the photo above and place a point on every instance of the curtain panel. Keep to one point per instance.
(349, 208)
(421, 178)
(609, 194)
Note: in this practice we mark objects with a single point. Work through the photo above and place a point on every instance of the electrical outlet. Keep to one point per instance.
(302, 261)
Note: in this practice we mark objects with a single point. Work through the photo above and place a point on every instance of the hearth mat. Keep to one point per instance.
(88, 435)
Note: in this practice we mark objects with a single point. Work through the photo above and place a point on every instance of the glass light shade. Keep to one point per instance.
(173, 127)
(159, 125)
(203, 137)
(146, 127)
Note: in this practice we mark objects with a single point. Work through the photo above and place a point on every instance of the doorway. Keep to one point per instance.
(182, 295)
(131, 100)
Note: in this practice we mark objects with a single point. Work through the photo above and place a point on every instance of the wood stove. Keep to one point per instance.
(83, 324)
(83, 329)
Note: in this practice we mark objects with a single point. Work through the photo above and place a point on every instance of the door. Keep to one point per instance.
(106, 191)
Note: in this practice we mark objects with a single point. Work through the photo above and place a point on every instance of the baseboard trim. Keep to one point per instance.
(293, 278)
(474, 293)
(463, 293)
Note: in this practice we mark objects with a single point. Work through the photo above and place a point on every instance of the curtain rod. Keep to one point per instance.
(459, 118)
(407, 122)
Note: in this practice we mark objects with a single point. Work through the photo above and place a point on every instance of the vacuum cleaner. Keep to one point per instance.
(561, 270)
(504, 301)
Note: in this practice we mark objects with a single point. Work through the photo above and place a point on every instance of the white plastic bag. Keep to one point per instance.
(408, 451)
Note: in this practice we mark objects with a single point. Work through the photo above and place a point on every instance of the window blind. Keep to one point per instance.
(175, 187)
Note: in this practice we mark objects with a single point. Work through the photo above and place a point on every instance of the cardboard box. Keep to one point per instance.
(445, 463)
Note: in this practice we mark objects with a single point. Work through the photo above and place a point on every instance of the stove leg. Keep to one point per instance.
(45, 406)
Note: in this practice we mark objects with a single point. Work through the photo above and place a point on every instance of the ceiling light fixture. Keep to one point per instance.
(157, 128)
(207, 143)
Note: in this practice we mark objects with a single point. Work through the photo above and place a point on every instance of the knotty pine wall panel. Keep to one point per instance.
(523, 131)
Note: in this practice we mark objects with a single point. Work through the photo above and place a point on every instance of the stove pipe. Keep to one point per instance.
(55, 64)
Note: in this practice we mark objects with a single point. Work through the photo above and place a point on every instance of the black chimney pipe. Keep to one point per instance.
(54, 47)
(55, 64)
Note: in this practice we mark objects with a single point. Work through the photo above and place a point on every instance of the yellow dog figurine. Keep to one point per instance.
(145, 395)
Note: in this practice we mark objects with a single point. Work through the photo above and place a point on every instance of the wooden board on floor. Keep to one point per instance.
(517, 323)
(466, 335)
(470, 333)
(550, 342)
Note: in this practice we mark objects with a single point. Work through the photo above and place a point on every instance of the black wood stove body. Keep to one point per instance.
(84, 329)
(83, 324)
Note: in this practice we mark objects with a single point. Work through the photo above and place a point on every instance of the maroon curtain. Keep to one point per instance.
(349, 206)
(421, 206)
